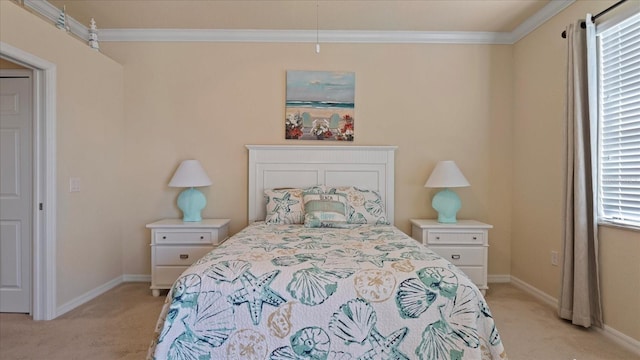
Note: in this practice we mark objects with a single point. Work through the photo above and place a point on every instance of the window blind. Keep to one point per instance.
(619, 123)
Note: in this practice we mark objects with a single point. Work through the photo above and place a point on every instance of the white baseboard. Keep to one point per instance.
(535, 292)
(88, 296)
(621, 339)
(614, 335)
(498, 279)
(92, 294)
(136, 278)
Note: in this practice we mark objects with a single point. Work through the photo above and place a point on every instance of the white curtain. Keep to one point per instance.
(580, 293)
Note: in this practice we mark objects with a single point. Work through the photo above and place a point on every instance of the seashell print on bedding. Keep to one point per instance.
(286, 292)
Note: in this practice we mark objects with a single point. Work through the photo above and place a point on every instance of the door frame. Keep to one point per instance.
(44, 174)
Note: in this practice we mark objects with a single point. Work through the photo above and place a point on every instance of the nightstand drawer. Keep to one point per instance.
(165, 276)
(176, 244)
(461, 255)
(180, 255)
(446, 237)
(173, 237)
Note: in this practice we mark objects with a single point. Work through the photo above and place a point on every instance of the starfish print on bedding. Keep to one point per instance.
(386, 347)
(284, 203)
(255, 292)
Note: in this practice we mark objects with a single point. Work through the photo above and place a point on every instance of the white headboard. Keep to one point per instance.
(279, 166)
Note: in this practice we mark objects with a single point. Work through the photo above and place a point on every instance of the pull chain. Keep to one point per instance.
(317, 29)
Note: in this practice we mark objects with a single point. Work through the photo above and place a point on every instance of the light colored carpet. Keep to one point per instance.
(119, 325)
(531, 329)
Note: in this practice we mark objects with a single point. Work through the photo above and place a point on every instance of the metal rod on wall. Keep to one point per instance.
(593, 18)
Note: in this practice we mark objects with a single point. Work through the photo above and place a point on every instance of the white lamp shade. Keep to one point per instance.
(446, 175)
(190, 174)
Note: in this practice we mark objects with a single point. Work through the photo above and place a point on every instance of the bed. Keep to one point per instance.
(334, 287)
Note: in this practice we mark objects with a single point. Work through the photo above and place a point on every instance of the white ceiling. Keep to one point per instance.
(375, 15)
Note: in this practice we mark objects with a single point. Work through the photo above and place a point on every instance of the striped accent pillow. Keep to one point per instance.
(324, 210)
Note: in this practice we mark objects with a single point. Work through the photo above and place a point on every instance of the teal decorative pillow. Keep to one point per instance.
(324, 210)
(364, 206)
(284, 206)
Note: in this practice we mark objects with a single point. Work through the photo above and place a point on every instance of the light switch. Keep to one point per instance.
(74, 184)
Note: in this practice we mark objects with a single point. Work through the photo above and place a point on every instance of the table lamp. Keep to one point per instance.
(191, 201)
(446, 202)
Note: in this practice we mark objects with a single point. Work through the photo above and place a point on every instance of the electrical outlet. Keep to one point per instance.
(74, 184)
(554, 258)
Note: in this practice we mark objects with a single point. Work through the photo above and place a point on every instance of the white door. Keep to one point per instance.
(16, 190)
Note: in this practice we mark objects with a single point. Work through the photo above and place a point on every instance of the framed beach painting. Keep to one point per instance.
(320, 105)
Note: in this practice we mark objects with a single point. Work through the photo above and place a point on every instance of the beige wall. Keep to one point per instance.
(496, 110)
(89, 135)
(207, 100)
(5, 64)
(539, 87)
(620, 279)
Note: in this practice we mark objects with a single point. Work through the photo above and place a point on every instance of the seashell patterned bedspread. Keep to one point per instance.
(289, 292)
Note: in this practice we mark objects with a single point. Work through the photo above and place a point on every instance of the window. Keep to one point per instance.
(619, 123)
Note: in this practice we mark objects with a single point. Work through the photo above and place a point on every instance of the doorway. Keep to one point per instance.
(43, 209)
(16, 189)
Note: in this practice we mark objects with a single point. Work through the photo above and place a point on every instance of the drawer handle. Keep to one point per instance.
(455, 257)
(201, 237)
(437, 237)
(164, 237)
(184, 256)
(475, 238)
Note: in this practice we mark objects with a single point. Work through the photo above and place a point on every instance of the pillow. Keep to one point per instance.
(365, 206)
(284, 206)
(323, 209)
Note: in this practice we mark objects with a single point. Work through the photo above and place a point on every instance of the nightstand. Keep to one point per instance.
(464, 243)
(175, 245)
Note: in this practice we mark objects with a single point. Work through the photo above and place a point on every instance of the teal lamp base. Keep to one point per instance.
(191, 201)
(446, 203)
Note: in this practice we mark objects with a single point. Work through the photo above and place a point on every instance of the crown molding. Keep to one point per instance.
(304, 36)
(553, 8)
(47, 10)
(50, 12)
